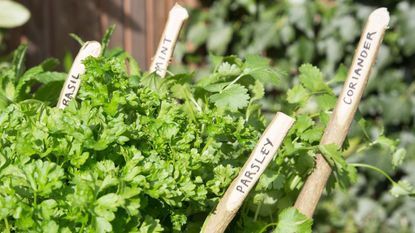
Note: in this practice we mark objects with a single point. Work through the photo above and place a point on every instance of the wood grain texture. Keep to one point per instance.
(47, 32)
(346, 107)
(138, 27)
(150, 32)
(36, 33)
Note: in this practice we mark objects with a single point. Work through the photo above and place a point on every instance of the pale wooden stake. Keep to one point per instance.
(346, 106)
(177, 16)
(263, 153)
(73, 81)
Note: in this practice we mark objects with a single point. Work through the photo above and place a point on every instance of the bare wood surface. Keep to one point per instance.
(346, 106)
(256, 164)
(47, 32)
(73, 81)
(177, 16)
(137, 23)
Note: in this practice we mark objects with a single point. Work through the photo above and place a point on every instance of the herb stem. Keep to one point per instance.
(257, 211)
(82, 227)
(6, 222)
(374, 169)
(196, 104)
(234, 81)
(267, 226)
(239, 77)
(35, 200)
(170, 73)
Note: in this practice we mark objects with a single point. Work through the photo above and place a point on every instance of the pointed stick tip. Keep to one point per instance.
(287, 119)
(380, 16)
(179, 11)
(92, 47)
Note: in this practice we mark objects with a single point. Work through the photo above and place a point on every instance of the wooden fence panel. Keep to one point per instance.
(139, 25)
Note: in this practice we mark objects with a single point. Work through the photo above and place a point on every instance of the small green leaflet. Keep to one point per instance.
(227, 69)
(402, 188)
(106, 39)
(77, 38)
(302, 123)
(342, 171)
(152, 81)
(260, 69)
(298, 94)
(43, 177)
(325, 101)
(217, 87)
(18, 60)
(233, 98)
(341, 74)
(107, 204)
(312, 135)
(398, 157)
(150, 225)
(291, 220)
(312, 78)
(258, 91)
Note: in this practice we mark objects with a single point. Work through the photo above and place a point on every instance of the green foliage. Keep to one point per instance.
(343, 173)
(106, 39)
(124, 158)
(234, 97)
(325, 33)
(136, 153)
(17, 83)
(144, 154)
(292, 221)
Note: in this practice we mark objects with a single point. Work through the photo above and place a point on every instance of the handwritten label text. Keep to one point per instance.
(70, 89)
(162, 58)
(359, 66)
(253, 169)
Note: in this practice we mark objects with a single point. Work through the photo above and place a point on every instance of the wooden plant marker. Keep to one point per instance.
(177, 16)
(257, 162)
(346, 106)
(73, 81)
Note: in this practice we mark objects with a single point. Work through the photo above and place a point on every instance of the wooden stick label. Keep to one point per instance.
(359, 66)
(164, 52)
(346, 107)
(255, 167)
(256, 164)
(362, 63)
(73, 81)
(259, 159)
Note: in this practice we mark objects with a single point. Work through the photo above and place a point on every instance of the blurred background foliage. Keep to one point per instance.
(325, 33)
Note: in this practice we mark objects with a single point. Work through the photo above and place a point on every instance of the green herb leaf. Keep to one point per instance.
(233, 98)
(292, 221)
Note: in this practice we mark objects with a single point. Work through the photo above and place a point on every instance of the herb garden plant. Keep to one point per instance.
(137, 153)
(325, 34)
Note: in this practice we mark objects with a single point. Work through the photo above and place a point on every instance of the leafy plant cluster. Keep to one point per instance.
(325, 33)
(133, 154)
(136, 153)
(18, 84)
